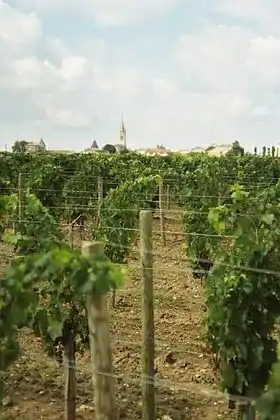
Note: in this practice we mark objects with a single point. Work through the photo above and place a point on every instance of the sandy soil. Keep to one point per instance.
(188, 386)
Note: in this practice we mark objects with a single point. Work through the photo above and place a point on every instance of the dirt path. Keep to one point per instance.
(187, 384)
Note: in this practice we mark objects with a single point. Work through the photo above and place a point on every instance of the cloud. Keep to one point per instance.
(261, 110)
(257, 10)
(215, 56)
(74, 71)
(248, 8)
(263, 15)
(16, 27)
(119, 12)
(230, 58)
(263, 60)
(32, 74)
(232, 61)
(104, 12)
(180, 83)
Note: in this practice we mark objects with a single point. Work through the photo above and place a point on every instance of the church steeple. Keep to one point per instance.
(123, 133)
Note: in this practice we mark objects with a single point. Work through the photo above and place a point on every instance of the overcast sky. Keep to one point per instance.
(185, 73)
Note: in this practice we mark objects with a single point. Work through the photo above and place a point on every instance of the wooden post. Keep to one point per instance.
(70, 375)
(69, 356)
(148, 388)
(101, 354)
(168, 197)
(71, 231)
(114, 298)
(246, 411)
(161, 213)
(99, 198)
(71, 236)
(20, 197)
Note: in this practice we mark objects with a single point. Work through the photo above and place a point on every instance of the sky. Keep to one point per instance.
(185, 73)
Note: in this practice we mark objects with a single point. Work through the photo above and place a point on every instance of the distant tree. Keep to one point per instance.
(273, 151)
(255, 151)
(123, 151)
(264, 150)
(20, 146)
(110, 148)
(209, 148)
(236, 149)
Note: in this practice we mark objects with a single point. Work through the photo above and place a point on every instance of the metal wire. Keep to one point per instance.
(174, 386)
(186, 260)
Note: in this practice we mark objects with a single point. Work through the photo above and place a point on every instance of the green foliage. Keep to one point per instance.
(236, 149)
(206, 183)
(15, 298)
(46, 286)
(243, 302)
(120, 215)
(20, 146)
(8, 207)
(47, 185)
(268, 405)
(80, 192)
(37, 231)
(110, 148)
(64, 278)
(49, 291)
(201, 190)
(60, 180)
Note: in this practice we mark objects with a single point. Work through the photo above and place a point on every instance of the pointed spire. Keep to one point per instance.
(122, 140)
(94, 145)
(122, 124)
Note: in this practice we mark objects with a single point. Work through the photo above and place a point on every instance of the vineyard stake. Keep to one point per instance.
(71, 236)
(99, 198)
(148, 387)
(71, 231)
(161, 212)
(70, 375)
(20, 196)
(101, 354)
(168, 197)
(69, 356)
(247, 412)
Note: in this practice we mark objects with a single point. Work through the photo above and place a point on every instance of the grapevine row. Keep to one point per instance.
(46, 284)
(232, 201)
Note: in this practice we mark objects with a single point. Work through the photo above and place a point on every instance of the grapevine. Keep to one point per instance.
(46, 288)
(48, 291)
(120, 214)
(37, 231)
(243, 304)
(50, 176)
(268, 405)
(201, 191)
(80, 192)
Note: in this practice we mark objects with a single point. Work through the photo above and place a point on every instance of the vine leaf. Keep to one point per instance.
(55, 329)
(268, 218)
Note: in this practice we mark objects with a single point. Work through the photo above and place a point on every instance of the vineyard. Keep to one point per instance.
(216, 269)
